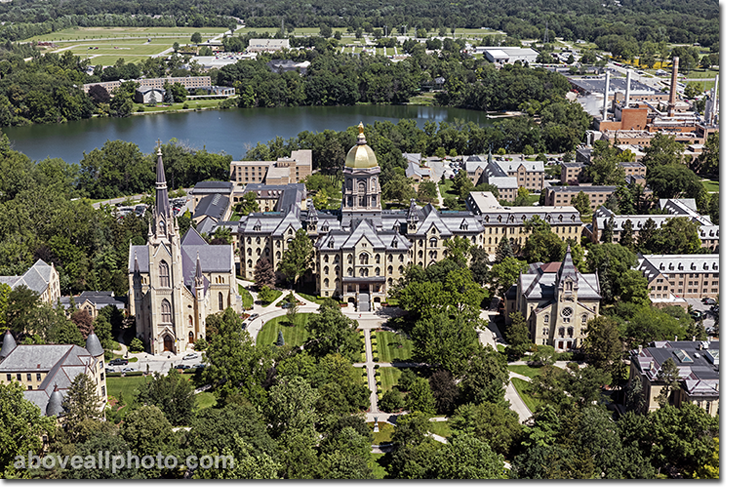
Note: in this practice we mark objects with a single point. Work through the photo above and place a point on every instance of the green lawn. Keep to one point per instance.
(270, 297)
(525, 391)
(445, 190)
(389, 377)
(711, 186)
(392, 347)
(143, 32)
(385, 433)
(311, 298)
(191, 104)
(293, 336)
(376, 467)
(424, 99)
(129, 387)
(247, 298)
(525, 370)
(440, 428)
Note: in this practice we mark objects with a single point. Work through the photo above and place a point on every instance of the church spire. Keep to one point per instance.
(162, 195)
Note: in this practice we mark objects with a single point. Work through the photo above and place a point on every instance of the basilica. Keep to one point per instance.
(173, 283)
(361, 250)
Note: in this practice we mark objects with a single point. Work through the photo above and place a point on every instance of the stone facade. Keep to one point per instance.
(557, 302)
(174, 284)
(681, 275)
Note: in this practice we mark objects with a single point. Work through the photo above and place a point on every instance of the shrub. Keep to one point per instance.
(391, 401)
(136, 345)
(376, 359)
(200, 344)
(185, 106)
(406, 380)
(139, 109)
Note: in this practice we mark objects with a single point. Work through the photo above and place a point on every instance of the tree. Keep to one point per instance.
(83, 320)
(517, 336)
(263, 273)
(332, 332)
(607, 235)
(669, 376)
(391, 401)
(420, 397)
(427, 192)
(102, 443)
(467, 457)
(492, 423)
(280, 339)
(173, 394)
(445, 391)
(179, 92)
(398, 187)
(148, 432)
(21, 305)
(22, 429)
(604, 169)
(582, 203)
(485, 378)
(462, 184)
(297, 259)
(678, 235)
(707, 163)
(552, 462)
(175, 46)
(196, 38)
(81, 403)
(505, 273)
(503, 250)
(249, 204)
(651, 324)
(675, 181)
(479, 265)
(627, 236)
(235, 367)
(663, 150)
(602, 344)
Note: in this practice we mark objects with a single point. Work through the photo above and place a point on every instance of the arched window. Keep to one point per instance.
(350, 271)
(390, 270)
(250, 263)
(162, 228)
(325, 258)
(258, 251)
(220, 301)
(326, 270)
(337, 271)
(350, 258)
(164, 274)
(165, 311)
(364, 258)
(433, 242)
(546, 319)
(190, 321)
(377, 258)
(584, 318)
(377, 272)
(191, 337)
(326, 282)
(390, 258)
(401, 269)
(278, 255)
(390, 282)
(401, 258)
(249, 251)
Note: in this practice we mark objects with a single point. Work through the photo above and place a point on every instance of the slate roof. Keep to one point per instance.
(37, 278)
(539, 284)
(98, 299)
(697, 361)
(653, 265)
(213, 205)
(224, 187)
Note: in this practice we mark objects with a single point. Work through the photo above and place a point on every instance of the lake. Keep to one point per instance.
(230, 131)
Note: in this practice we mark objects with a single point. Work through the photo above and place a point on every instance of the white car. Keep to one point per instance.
(190, 356)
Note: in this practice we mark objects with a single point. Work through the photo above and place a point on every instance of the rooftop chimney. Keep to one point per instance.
(673, 86)
(606, 95)
(627, 92)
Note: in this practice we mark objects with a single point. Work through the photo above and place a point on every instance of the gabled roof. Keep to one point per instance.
(192, 238)
(37, 278)
(365, 229)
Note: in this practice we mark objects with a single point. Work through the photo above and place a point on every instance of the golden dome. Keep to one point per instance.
(361, 156)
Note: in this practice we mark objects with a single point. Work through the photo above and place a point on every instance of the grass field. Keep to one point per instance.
(440, 428)
(525, 391)
(191, 104)
(129, 386)
(247, 297)
(376, 467)
(392, 347)
(385, 433)
(293, 336)
(711, 186)
(75, 33)
(525, 370)
(389, 377)
(311, 298)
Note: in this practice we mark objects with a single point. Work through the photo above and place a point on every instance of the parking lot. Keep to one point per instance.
(158, 363)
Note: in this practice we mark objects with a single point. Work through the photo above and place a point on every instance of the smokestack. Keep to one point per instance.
(673, 86)
(627, 92)
(606, 95)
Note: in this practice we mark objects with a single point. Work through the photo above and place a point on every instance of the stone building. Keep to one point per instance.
(174, 284)
(508, 221)
(361, 250)
(698, 372)
(557, 301)
(285, 170)
(708, 232)
(681, 275)
(46, 371)
(42, 278)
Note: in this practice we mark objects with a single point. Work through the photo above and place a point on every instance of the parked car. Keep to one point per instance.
(109, 370)
(119, 361)
(696, 315)
(286, 305)
(128, 370)
(709, 301)
(199, 366)
(182, 367)
(190, 356)
(252, 317)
